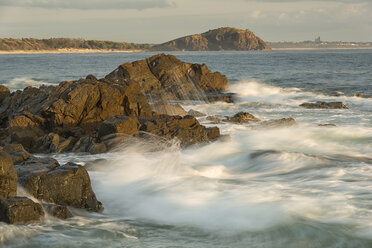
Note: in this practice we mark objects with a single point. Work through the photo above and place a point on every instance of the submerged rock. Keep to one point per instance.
(324, 105)
(20, 210)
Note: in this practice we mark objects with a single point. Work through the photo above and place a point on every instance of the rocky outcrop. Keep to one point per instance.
(68, 184)
(324, 105)
(8, 176)
(216, 40)
(20, 210)
(74, 116)
(164, 77)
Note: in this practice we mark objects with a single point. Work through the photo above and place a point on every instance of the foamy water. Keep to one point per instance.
(298, 186)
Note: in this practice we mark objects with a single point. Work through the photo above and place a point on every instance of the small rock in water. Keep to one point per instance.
(242, 117)
(20, 210)
(284, 122)
(324, 105)
(58, 211)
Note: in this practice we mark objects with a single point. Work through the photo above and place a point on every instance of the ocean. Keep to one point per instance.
(300, 186)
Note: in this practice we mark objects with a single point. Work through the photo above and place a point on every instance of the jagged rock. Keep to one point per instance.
(17, 153)
(242, 117)
(169, 109)
(284, 122)
(195, 113)
(58, 211)
(4, 93)
(8, 176)
(120, 124)
(67, 185)
(164, 77)
(225, 38)
(324, 105)
(186, 129)
(20, 210)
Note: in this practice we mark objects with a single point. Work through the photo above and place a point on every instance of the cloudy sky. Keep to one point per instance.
(155, 21)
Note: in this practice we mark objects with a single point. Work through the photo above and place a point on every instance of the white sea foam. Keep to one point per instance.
(20, 83)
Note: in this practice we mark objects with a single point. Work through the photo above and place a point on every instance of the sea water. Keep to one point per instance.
(299, 186)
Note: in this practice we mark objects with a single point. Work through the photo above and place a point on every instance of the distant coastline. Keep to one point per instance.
(70, 50)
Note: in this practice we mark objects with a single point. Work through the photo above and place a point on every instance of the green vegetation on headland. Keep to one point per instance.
(31, 44)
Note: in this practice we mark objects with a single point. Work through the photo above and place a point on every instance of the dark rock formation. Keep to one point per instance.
(186, 129)
(215, 40)
(324, 105)
(74, 116)
(164, 77)
(8, 176)
(67, 185)
(58, 211)
(17, 153)
(242, 117)
(120, 124)
(20, 210)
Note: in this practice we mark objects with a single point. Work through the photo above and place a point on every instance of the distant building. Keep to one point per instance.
(317, 40)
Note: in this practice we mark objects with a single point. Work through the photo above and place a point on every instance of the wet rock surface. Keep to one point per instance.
(58, 211)
(242, 117)
(68, 184)
(20, 210)
(8, 176)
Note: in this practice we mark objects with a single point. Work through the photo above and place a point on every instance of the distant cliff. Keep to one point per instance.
(215, 40)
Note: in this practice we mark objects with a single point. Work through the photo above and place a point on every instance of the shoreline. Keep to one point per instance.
(72, 50)
(321, 48)
(67, 50)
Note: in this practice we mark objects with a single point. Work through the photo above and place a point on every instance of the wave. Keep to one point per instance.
(19, 83)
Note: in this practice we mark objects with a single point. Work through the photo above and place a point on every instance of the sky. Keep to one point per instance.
(157, 21)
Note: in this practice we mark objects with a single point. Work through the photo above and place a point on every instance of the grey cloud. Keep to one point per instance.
(90, 4)
(290, 1)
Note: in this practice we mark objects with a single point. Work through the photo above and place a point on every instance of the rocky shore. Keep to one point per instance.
(93, 115)
(136, 101)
